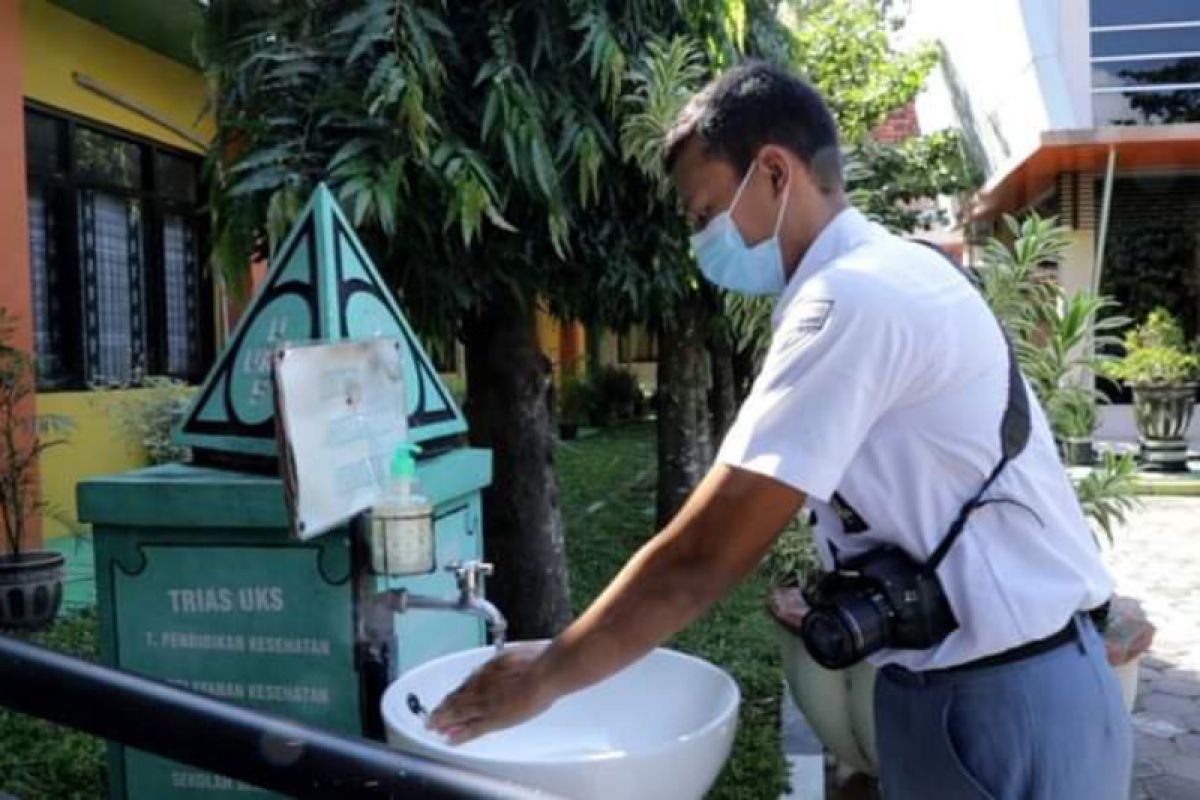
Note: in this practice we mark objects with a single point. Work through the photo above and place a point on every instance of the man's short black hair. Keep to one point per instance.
(753, 105)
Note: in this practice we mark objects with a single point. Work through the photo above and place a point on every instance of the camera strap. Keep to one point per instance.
(1014, 433)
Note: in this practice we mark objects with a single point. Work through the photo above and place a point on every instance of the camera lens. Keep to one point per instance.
(828, 641)
(842, 634)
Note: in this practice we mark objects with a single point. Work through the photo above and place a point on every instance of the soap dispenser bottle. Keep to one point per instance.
(402, 525)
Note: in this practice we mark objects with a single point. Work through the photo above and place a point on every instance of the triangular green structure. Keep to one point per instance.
(320, 287)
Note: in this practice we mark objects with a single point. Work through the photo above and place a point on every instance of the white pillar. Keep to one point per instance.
(1075, 271)
(1074, 275)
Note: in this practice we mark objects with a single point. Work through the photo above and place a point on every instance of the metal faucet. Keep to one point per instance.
(469, 576)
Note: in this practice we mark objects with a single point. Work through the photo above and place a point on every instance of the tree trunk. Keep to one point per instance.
(684, 424)
(743, 374)
(508, 385)
(724, 399)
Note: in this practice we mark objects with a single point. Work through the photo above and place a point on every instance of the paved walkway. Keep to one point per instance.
(1157, 561)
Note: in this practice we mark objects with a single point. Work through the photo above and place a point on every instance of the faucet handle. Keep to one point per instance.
(468, 573)
(478, 567)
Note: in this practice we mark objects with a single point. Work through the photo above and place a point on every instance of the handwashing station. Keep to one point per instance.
(201, 577)
(320, 558)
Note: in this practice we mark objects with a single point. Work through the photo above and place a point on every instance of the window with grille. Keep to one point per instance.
(1145, 61)
(115, 239)
(179, 294)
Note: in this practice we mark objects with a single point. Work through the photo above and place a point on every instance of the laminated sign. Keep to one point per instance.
(341, 409)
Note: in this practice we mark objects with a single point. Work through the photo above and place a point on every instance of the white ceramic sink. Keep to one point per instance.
(660, 730)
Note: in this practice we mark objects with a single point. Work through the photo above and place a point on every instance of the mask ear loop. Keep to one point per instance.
(783, 208)
(742, 187)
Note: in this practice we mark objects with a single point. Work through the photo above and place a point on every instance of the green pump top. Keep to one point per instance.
(404, 463)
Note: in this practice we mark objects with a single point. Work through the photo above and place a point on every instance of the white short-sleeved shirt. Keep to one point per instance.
(885, 383)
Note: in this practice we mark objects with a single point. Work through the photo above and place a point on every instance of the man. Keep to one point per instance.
(879, 404)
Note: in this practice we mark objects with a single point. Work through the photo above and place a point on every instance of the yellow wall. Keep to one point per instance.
(96, 447)
(646, 372)
(58, 44)
(548, 336)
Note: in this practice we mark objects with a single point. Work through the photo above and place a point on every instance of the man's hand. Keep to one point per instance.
(503, 692)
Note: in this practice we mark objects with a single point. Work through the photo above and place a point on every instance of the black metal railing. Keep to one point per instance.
(271, 752)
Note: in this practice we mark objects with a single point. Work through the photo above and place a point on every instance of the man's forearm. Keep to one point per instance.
(718, 538)
(721, 534)
(658, 593)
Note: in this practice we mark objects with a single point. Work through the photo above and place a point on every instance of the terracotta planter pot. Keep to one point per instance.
(1162, 414)
(31, 588)
(840, 706)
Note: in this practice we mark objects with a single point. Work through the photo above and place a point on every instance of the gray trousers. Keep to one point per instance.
(1050, 727)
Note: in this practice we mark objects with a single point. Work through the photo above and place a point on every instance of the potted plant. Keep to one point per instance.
(1073, 420)
(31, 582)
(1060, 341)
(1163, 373)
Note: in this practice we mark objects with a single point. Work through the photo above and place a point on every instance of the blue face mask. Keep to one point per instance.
(727, 261)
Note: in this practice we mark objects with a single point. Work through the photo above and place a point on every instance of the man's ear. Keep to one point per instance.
(777, 166)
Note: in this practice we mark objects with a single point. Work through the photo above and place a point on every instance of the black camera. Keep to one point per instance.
(880, 599)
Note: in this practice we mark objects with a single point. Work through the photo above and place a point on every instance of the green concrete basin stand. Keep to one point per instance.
(198, 579)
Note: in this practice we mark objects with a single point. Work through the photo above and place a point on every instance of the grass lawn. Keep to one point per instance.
(40, 761)
(608, 504)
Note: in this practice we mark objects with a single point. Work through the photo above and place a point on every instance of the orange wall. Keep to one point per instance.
(572, 347)
(15, 291)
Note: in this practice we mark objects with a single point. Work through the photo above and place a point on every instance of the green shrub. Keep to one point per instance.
(1108, 494)
(1156, 354)
(612, 394)
(1072, 412)
(793, 556)
(572, 400)
(41, 761)
(148, 416)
